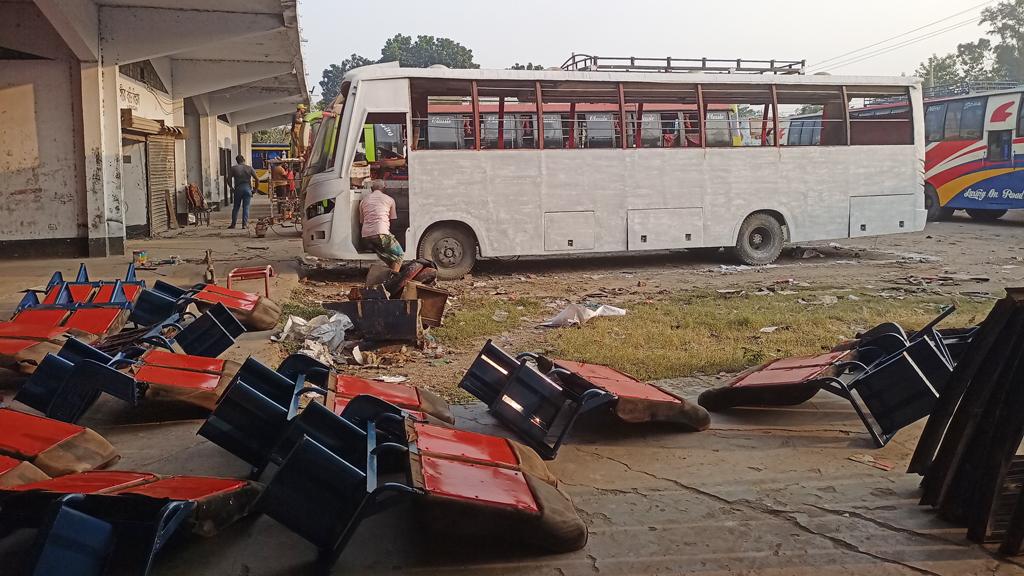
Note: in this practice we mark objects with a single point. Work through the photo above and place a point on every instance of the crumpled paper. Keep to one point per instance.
(578, 314)
(328, 331)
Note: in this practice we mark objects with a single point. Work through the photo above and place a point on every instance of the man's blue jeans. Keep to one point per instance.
(243, 196)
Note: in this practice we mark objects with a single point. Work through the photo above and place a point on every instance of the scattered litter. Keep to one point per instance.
(499, 316)
(770, 329)
(578, 314)
(391, 379)
(804, 253)
(826, 300)
(852, 297)
(329, 331)
(872, 461)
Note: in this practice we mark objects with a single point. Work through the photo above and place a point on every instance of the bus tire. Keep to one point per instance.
(985, 215)
(452, 248)
(760, 239)
(931, 203)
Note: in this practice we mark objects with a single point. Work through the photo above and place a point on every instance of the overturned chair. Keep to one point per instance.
(373, 455)
(255, 312)
(97, 523)
(541, 398)
(68, 383)
(256, 409)
(891, 379)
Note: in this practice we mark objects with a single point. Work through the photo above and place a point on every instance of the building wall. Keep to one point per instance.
(41, 176)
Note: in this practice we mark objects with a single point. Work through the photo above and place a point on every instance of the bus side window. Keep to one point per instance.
(952, 127)
(1020, 121)
(934, 121)
(972, 119)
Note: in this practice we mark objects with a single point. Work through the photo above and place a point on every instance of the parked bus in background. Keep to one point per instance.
(975, 155)
(621, 161)
(261, 153)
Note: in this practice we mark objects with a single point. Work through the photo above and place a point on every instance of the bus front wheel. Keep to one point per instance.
(985, 215)
(452, 248)
(760, 240)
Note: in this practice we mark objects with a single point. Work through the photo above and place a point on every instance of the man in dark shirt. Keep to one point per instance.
(242, 177)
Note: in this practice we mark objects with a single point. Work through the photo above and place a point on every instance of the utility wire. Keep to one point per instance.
(886, 50)
(919, 28)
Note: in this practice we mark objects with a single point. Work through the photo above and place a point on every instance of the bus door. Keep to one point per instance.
(1000, 123)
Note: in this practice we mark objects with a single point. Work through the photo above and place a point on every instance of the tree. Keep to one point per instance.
(277, 135)
(808, 109)
(427, 51)
(528, 66)
(939, 70)
(983, 59)
(1006, 22)
(330, 83)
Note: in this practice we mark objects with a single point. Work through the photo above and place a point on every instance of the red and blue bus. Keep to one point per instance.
(975, 155)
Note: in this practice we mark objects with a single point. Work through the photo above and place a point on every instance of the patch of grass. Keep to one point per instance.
(305, 310)
(474, 317)
(708, 333)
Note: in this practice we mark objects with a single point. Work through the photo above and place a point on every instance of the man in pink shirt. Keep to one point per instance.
(376, 211)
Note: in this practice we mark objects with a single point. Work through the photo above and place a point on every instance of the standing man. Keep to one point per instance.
(376, 211)
(298, 119)
(242, 178)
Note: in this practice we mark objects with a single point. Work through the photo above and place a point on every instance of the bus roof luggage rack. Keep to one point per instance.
(970, 87)
(588, 63)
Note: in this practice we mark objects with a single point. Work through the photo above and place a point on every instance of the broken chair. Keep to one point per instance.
(350, 467)
(541, 402)
(68, 383)
(255, 312)
(114, 522)
(891, 379)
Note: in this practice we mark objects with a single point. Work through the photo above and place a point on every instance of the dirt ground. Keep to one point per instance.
(768, 492)
(958, 258)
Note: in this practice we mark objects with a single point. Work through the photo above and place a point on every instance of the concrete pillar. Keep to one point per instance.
(180, 162)
(101, 137)
(209, 158)
(245, 144)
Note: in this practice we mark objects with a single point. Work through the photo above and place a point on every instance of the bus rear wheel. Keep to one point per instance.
(933, 206)
(985, 215)
(760, 240)
(452, 248)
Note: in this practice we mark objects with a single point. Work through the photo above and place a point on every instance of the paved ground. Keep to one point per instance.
(761, 492)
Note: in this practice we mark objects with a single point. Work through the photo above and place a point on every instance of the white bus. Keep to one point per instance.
(622, 161)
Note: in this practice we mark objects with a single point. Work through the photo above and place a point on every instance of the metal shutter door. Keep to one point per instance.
(160, 165)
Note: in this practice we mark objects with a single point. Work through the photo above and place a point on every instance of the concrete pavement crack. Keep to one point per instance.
(787, 516)
(909, 532)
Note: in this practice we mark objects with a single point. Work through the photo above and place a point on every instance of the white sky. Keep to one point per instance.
(548, 31)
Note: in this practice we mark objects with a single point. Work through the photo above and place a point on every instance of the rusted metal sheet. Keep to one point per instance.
(383, 319)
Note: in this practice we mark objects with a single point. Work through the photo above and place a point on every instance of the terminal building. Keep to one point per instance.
(110, 108)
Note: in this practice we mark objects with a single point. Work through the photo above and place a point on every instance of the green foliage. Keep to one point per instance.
(330, 80)
(426, 51)
(808, 109)
(527, 66)
(983, 60)
(276, 135)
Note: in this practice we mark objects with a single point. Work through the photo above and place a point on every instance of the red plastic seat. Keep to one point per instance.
(95, 482)
(228, 301)
(186, 487)
(98, 321)
(618, 383)
(50, 317)
(24, 436)
(405, 397)
(165, 359)
(477, 483)
(452, 443)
